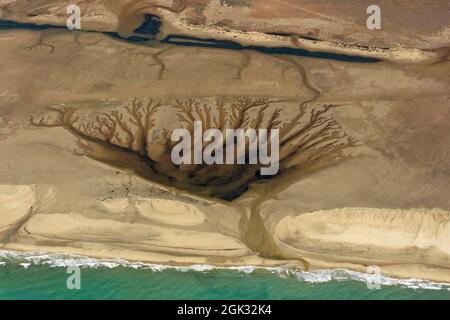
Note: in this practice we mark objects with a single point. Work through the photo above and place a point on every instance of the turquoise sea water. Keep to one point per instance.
(45, 278)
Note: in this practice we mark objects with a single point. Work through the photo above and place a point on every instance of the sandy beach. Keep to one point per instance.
(381, 199)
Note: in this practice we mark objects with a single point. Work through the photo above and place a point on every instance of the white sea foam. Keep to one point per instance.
(26, 259)
(245, 269)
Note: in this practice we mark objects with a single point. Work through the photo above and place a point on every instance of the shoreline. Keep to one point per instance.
(316, 276)
(360, 186)
(174, 27)
(400, 272)
(403, 243)
(253, 38)
(227, 44)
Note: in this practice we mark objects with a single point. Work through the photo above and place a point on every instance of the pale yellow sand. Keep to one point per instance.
(253, 38)
(16, 202)
(341, 28)
(309, 218)
(169, 211)
(75, 227)
(381, 237)
(404, 243)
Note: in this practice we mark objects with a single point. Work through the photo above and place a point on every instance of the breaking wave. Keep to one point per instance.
(27, 259)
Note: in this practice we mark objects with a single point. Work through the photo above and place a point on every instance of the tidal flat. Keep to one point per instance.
(86, 118)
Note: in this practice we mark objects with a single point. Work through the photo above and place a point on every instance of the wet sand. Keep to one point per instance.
(385, 204)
